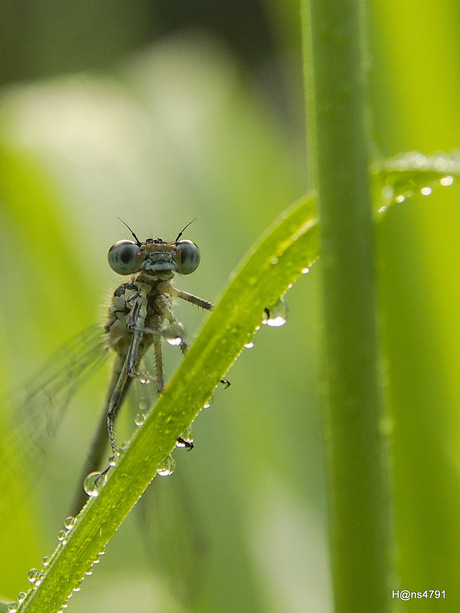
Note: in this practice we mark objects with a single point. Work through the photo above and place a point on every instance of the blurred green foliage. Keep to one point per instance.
(179, 129)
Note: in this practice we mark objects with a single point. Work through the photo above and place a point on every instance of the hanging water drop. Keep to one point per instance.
(208, 402)
(186, 439)
(70, 522)
(276, 314)
(46, 561)
(249, 345)
(143, 405)
(426, 191)
(94, 483)
(62, 537)
(139, 419)
(174, 333)
(114, 459)
(12, 607)
(166, 467)
(33, 575)
(21, 597)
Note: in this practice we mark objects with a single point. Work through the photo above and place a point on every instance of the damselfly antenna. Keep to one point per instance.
(183, 229)
(135, 237)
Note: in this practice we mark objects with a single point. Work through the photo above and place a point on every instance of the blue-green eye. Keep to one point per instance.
(124, 257)
(187, 257)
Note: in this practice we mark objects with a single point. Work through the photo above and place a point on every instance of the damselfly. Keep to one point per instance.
(140, 316)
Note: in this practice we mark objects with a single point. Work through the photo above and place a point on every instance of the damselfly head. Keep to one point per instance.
(126, 257)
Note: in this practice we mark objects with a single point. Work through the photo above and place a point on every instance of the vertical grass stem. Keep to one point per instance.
(357, 450)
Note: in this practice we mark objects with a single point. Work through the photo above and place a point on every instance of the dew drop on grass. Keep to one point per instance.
(174, 333)
(143, 405)
(33, 575)
(114, 459)
(70, 522)
(186, 438)
(139, 419)
(94, 483)
(276, 314)
(166, 467)
(62, 537)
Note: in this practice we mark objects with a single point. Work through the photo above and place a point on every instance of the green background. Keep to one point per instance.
(158, 117)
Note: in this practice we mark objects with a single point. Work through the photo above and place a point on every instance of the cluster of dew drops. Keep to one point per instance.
(273, 316)
(413, 173)
(394, 194)
(35, 576)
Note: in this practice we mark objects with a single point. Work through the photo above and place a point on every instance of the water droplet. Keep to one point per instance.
(94, 482)
(426, 191)
(88, 573)
(62, 536)
(21, 597)
(400, 198)
(305, 270)
(139, 419)
(276, 315)
(77, 589)
(208, 402)
(144, 380)
(114, 459)
(447, 180)
(143, 405)
(33, 575)
(166, 467)
(70, 522)
(249, 345)
(46, 561)
(186, 439)
(274, 260)
(12, 607)
(174, 333)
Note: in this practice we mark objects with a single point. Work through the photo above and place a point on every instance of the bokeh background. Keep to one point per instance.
(157, 113)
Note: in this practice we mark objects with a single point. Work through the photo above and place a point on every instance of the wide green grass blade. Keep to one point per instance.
(281, 255)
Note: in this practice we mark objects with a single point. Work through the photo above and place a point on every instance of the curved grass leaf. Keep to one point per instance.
(287, 248)
(398, 178)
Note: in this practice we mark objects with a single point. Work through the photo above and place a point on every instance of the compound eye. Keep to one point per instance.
(187, 257)
(124, 257)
